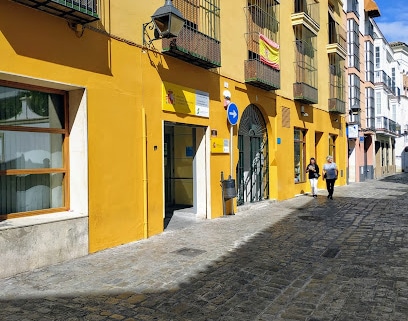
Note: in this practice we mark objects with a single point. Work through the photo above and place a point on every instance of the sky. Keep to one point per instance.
(393, 22)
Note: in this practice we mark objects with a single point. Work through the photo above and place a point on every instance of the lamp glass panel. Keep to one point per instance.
(162, 23)
(176, 25)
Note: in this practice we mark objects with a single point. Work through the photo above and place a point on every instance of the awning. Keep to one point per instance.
(371, 8)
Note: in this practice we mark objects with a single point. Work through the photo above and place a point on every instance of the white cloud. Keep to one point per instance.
(394, 31)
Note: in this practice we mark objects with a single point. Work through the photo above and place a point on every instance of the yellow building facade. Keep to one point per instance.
(131, 128)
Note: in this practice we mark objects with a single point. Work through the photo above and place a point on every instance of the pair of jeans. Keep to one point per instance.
(330, 186)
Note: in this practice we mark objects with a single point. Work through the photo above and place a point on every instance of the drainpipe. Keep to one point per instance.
(144, 167)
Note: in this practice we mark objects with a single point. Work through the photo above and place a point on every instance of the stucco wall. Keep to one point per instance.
(32, 242)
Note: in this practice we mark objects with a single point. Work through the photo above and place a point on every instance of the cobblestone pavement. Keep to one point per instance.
(301, 259)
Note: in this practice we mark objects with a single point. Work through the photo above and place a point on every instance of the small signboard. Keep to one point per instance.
(219, 145)
(184, 100)
(352, 131)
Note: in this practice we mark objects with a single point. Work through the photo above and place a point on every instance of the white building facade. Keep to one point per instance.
(400, 54)
(387, 105)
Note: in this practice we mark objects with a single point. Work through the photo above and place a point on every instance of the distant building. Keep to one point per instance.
(387, 105)
(360, 80)
(400, 55)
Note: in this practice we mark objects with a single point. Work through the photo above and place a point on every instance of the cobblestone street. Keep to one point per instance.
(301, 259)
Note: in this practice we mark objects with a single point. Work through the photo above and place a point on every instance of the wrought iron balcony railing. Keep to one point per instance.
(371, 123)
(310, 8)
(306, 13)
(260, 75)
(337, 35)
(382, 77)
(386, 125)
(77, 11)
(337, 106)
(305, 93)
(194, 47)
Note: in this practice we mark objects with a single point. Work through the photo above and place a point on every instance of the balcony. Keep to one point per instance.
(381, 77)
(260, 75)
(384, 125)
(370, 124)
(337, 106)
(353, 7)
(194, 47)
(305, 93)
(307, 13)
(76, 11)
(369, 29)
(337, 40)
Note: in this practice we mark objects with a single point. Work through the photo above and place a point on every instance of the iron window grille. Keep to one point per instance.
(337, 85)
(309, 7)
(199, 40)
(306, 86)
(262, 17)
(76, 11)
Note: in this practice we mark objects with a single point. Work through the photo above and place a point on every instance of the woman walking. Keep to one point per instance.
(330, 173)
(313, 170)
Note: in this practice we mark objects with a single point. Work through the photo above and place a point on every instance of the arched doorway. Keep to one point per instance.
(253, 169)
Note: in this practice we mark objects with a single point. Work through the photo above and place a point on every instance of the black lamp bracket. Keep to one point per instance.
(147, 38)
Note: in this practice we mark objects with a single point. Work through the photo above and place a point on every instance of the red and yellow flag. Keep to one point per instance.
(269, 52)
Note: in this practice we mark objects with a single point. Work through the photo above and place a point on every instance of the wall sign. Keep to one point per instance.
(184, 100)
(219, 145)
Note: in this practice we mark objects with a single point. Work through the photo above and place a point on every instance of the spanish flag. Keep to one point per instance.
(269, 52)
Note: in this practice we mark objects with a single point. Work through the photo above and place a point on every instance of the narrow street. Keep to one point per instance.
(302, 259)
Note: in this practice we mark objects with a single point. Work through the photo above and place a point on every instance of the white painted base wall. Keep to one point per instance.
(32, 242)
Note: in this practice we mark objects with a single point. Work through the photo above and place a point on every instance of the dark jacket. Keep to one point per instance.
(312, 173)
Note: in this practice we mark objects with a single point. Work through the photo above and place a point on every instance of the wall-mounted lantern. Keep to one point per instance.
(167, 22)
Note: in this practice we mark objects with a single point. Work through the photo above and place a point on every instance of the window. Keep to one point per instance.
(393, 81)
(389, 57)
(332, 146)
(378, 103)
(394, 112)
(354, 91)
(369, 52)
(353, 44)
(336, 69)
(201, 16)
(262, 18)
(33, 170)
(377, 57)
(370, 108)
(306, 58)
(352, 6)
(300, 159)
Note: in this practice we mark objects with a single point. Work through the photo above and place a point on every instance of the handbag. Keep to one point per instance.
(316, 175)
(325, 175)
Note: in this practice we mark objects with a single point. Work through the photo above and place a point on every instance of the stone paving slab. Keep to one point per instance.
(301, 259)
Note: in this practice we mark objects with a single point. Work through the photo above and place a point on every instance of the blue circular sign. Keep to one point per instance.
(232, 114)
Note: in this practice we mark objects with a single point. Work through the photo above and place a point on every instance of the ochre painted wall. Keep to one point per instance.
(123, 83)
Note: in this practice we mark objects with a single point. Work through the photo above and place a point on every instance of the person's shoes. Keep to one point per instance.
(328, 196)
(331, 197)
(315, 196)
